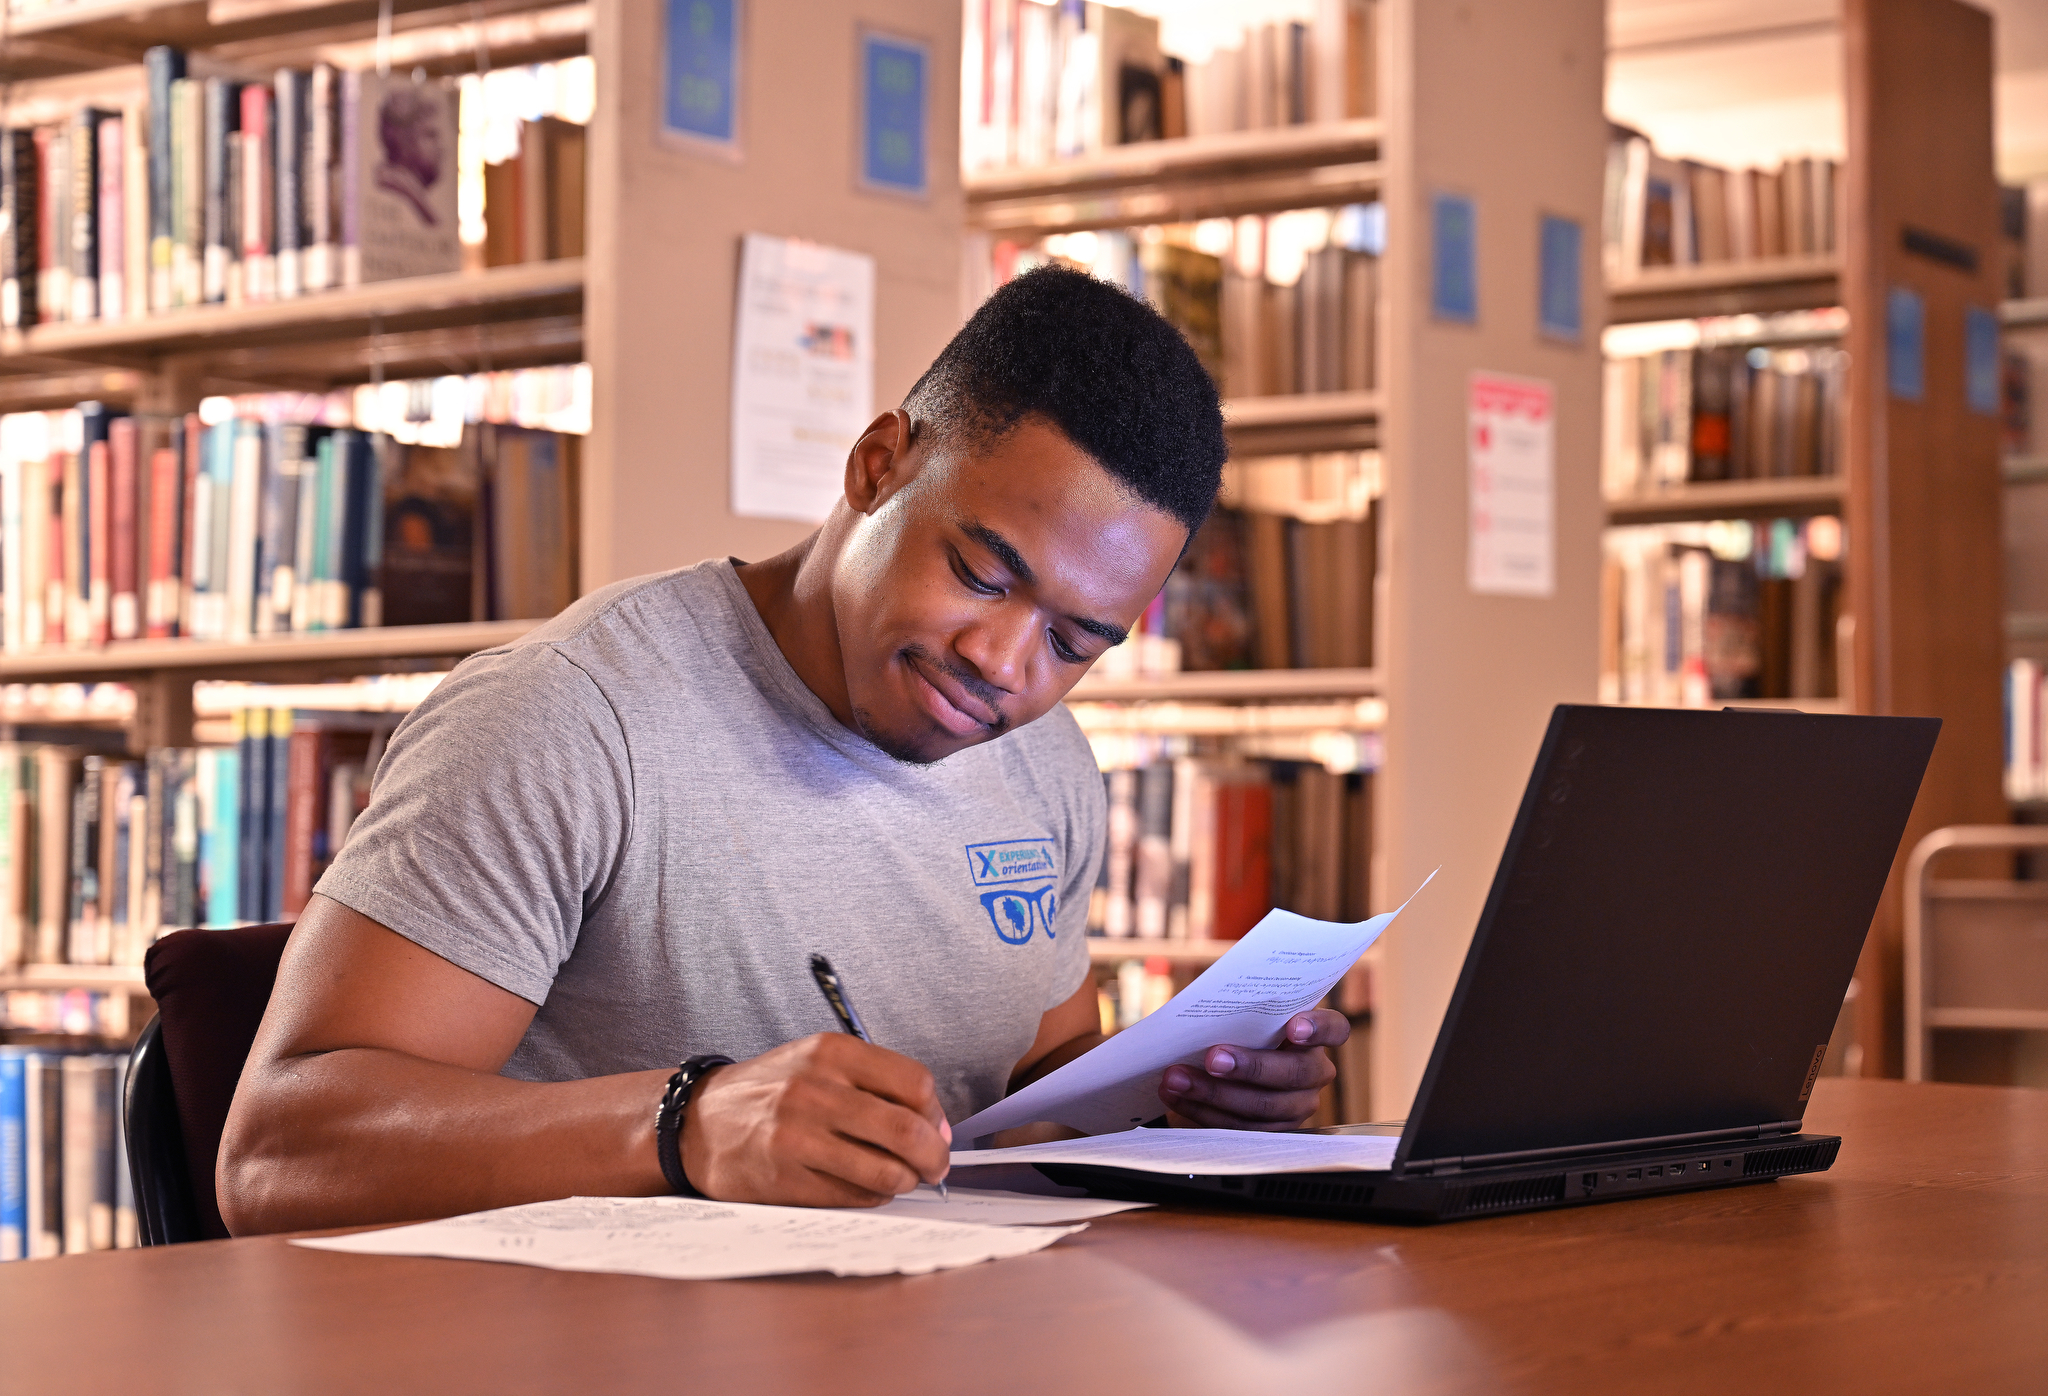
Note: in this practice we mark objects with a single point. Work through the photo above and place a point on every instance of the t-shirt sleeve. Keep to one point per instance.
(499, 815)
(1086, 845)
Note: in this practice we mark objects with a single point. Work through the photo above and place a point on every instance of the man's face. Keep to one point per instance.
(982, 587)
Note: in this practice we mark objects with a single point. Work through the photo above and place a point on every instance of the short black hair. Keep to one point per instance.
(1103, 367)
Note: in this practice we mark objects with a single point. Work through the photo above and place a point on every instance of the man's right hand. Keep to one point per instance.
(825, 1121)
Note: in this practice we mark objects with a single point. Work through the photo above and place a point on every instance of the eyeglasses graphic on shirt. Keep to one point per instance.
(1016, 912)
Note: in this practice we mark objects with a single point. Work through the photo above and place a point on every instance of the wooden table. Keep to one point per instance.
(1919, 1264)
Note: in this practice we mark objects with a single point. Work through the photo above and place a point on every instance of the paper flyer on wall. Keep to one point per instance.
(803, 375)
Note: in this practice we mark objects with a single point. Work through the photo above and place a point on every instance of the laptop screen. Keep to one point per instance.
(1671, 928)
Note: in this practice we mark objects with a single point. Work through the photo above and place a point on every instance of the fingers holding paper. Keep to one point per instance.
(1240, 1088)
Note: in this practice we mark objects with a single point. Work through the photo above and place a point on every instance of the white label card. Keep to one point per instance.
(1511, 438)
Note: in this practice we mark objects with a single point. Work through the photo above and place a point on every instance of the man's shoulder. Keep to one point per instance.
(639, 608)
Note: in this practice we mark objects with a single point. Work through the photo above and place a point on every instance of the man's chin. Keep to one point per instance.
(912, 749)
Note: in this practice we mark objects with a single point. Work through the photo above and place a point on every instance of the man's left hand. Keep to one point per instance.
(1239, 1088)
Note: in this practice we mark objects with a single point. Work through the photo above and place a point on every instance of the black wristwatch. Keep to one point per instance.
(668, 1120)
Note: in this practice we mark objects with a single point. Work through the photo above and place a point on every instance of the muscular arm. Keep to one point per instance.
(372, 1095)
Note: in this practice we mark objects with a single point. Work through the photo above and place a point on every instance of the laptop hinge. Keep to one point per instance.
(1459, 1163)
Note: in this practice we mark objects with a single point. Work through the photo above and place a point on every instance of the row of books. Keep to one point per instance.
(256, 517)
(205, 190)
(1200, 848)
(1677, 213)
(2026, 750)
(1268, 309)
(1725, 412)
(99, 854)
(1045, 82)
(1694, 614)
(64, 1182)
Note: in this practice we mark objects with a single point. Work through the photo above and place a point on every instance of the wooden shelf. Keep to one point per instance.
(327, 653)
(2024, 315)
(64, 39)
(535, 290)
(110, 977)
(1794, 497)
(1232, 685)
(1301, 422)
(1104, 951)
(1725, 288)
(1182, 180)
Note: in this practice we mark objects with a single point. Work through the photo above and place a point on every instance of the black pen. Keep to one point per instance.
(849, 1021)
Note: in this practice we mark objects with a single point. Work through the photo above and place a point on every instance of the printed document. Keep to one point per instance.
(1284, 964)
(1210, 1151)
(683, 1238)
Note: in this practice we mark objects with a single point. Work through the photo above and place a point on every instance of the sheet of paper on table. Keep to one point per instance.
(1208, 1151)
(1282, 965)
(685, 1239)
(997, 1207)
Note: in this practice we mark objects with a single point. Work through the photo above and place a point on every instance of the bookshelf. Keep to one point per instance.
(1920, 476)
(1250, 685)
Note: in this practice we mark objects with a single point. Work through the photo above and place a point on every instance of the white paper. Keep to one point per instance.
(803, 375)
(1210, 1151)
(681, 1238)
(994, 1207)
(1513, 452)
(1284, 964)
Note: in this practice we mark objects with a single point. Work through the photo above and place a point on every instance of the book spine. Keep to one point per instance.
(13, 927)
(252, 816)
(98, 547)
(290, 89)
(190, 437)
(258, 270)
(162, 67)
(160, 600)
(182, 238)
(124, 609)
(277, 813)
(192, 198)
(83, 213)
(126, 1231)
(13, 1154)
(84, 946)
(111, 233)
(245, 498)
(321, 262)
(135, 209)
(184, 802)
(222, 102)
(80, 1126)
(45, 1148)
(17, 228)
(55, 775)
(158, 863)
(57, 199)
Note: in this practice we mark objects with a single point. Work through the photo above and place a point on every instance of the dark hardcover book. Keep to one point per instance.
(277, 814)
(46, 1157)
(1208, 607)
(84, 223)
(222, 111)
(19, 200)
(161, 66)
(277, 525)
(254, 816)
(430, 527)
(85, 864)
(1732, 655)
(1713, 390)
(288, 156)
(124, 614)
(321, 259)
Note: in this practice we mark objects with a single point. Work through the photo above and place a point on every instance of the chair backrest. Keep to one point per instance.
(210, 988)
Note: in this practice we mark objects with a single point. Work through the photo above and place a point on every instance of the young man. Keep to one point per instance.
(613, 846)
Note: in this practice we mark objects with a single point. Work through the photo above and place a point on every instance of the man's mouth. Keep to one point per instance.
(947, 701)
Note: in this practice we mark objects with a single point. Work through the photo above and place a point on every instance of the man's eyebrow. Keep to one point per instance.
(1007, 554)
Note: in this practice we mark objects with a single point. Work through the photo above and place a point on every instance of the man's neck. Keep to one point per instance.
(793, 593)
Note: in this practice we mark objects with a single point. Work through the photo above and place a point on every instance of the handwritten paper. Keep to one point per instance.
(1284, 964)
(682, 1238)
(1213, 1152)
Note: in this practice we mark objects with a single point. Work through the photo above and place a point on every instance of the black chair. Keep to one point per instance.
(211, 988)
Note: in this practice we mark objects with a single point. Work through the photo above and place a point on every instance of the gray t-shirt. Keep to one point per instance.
(640, 819)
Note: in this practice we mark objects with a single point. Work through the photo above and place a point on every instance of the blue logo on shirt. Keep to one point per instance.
(1016, 910)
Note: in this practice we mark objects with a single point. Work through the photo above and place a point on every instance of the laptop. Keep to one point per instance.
(1650, 990)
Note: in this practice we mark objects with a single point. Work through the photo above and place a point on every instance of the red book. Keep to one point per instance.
(259, 282)
(165, 517)
(97, 523)
(181, 572)
(125, 610)
(1244, 856)
(301, 810)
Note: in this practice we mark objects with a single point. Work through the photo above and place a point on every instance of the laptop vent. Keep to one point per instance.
(1793, 1158)
(1503, 1196)
(1313, 1192)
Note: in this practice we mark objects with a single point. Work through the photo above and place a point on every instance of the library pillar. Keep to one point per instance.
(667, 216)
(1494, 151)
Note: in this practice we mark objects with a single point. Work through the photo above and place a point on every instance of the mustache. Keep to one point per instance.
(974, 683)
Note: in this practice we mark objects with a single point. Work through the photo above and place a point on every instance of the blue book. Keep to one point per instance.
(222, 836)
(13, 1154)
(253, 803)
(277, 806)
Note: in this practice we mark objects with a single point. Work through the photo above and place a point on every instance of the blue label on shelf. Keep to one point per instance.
(893, 82)
(1454, 247)
(1557, 313)
(1905, 339)
(1980, 359)
(700, 83)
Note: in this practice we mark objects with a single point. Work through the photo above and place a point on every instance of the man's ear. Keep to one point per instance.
(876, 466)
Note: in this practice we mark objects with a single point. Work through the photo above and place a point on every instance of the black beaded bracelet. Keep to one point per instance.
(668, 1120)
